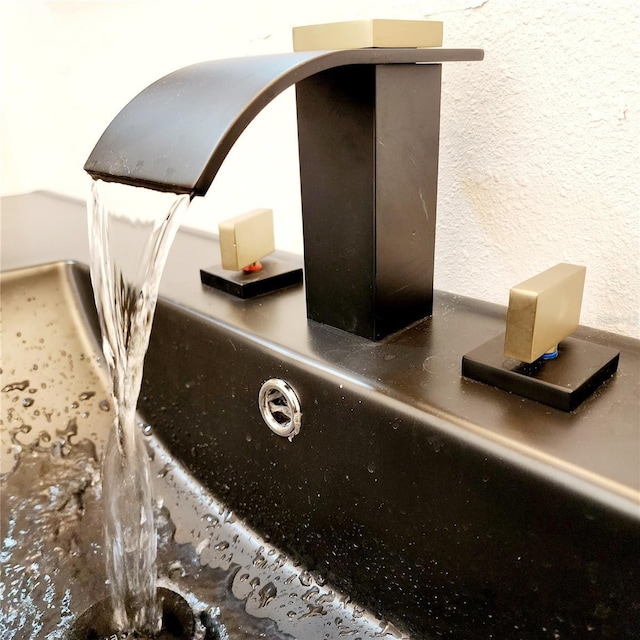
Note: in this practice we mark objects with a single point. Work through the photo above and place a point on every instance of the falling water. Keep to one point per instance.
(128, 254)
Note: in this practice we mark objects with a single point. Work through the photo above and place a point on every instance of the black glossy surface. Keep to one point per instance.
(407, 512)
(456, 509)
(563, 383)
(368, 139)
(174, 135)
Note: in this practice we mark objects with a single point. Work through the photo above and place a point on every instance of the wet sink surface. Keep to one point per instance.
(56, 414)
(450, 508)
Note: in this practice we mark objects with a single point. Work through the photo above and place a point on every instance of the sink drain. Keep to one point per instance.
(96, 623)
(280, 407)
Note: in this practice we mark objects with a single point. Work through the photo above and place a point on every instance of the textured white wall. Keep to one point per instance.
(540, 143)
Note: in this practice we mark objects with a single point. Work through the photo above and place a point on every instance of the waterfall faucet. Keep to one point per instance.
(368, 133)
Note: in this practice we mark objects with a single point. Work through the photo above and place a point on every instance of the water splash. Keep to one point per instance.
(128, 254)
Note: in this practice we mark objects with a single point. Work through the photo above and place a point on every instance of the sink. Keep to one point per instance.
(412, 502)
(56, 416)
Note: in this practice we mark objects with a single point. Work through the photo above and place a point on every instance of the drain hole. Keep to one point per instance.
(96, 623)
(280, 407)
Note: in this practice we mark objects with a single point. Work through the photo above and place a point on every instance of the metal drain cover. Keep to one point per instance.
(280, 407)
(96, 623)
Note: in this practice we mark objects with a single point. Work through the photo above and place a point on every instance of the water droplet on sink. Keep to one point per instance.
(23, 428)
(211, 520)
(259, 561)
(371, 467)
(15, 386)
(319, 579)
(305, 578)
(165, 470)
(254, 583)
(86, 395)
(267, 594)
(314, 611)
(314, 591)
(27, 402)
(104, 405)
(69, 431)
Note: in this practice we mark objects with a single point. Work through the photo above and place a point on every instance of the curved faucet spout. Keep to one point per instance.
(368, 130)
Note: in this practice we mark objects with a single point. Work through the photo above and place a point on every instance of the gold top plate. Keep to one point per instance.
(360, 34)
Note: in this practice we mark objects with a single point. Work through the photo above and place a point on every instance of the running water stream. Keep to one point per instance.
(128, 254)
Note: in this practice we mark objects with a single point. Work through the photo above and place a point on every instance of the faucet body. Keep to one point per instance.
(369, 177)
(368, 128)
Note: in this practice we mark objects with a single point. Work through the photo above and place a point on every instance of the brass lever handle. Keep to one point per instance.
(246, 239)
(543, 311)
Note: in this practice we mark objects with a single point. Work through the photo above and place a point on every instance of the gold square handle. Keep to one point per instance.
(246, 239)
(543, 311)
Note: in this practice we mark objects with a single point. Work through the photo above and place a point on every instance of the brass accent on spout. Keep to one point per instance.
(543, 311)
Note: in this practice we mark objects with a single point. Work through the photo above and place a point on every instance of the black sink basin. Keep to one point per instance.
(450, 508)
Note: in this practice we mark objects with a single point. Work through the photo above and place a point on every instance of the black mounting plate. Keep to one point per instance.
(564, 383)
(274, 275)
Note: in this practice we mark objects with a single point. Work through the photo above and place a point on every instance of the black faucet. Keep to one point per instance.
(368, 132)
